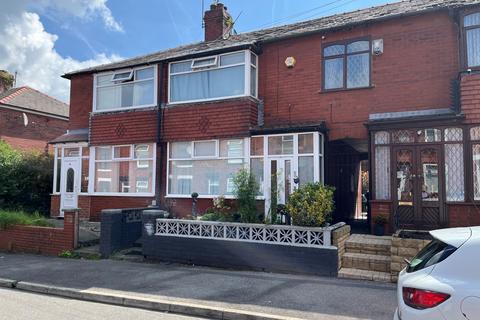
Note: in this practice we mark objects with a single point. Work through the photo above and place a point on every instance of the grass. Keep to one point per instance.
(10, 218)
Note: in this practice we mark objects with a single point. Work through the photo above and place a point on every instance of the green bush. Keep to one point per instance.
(220, 211)
(245, 190)
(311, 205)
(10, 218)
(26, 180)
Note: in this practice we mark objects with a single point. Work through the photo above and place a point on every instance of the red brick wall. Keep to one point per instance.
(124, 127)
(81, 99)
(420, 59)
(463, 215)
(98, 203)
(35, 135)
(382, 208)
(41, 240)
(230, 118)
(470, 97)
(54, 206)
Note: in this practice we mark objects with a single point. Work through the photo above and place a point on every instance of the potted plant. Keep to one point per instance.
(379, 225)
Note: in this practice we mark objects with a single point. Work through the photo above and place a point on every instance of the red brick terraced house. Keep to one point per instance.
(29, 119)
(381, 103)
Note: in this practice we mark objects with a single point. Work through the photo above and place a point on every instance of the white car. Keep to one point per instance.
(443, 281)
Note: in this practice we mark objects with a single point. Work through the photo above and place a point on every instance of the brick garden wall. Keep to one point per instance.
(339, 237)
(41, 240)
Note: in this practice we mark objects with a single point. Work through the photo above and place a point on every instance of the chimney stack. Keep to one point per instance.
(218, 22)
(6, 81)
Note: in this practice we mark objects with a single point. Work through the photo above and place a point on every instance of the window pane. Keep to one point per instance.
(204, 62)
(234, 58)
(305, 170)
(127, 75)
(382, 173)
(122, 176)
(475, 133)
(181, 66)
(121, 152)
(85, 151)
(403, 136)
(108, 98)
(144, 74)
(382, 137)
(214, 83)
(84, 182)
(70, 180)
(256, 146)
(476, 171)
(333, 74)
(205, 148)
(103, 153)
(103, 177)
(256, 167)
(473, 47)
(59, 152)
(358, 46)
(472, 20)
(358, 70)
(180, 150)
(143, 151)
(430, 135)
(454, 172)
(104, 80)
(253, 81)
(305, 143)
(253, 59)
(71, 152)
(453, 134)
(231, 148)
(143, 93)
(58, 175)
(278, 145)
(206, 177)
(334, 50)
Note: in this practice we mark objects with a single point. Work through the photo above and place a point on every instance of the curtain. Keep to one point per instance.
(382, 173)
(473, 47)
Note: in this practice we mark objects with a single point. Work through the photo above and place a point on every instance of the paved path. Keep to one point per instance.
(288, 295)
(16, 305)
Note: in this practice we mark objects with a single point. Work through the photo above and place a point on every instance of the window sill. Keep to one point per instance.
(323, 91)
(204, 101)
(184, 196)
(124, 109)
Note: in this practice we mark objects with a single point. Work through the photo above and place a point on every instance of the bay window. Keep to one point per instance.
(126, 89)
(205, 167)
(475, 138)
(222, 76)
(124, 169)
(471, 24)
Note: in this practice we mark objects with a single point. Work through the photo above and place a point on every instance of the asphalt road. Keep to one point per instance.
(17, 305)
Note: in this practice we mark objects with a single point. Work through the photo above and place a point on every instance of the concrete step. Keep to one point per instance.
(367, 244)
(364, 261)
(357, 274)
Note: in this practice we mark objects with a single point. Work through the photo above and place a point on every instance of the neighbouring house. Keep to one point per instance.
(29, 119)
(381, 103)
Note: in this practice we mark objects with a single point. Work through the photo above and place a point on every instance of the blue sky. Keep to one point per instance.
(43, 39)
(151, 25)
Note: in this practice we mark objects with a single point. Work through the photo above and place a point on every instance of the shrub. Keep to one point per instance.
(219, 212)
(311, 205)
(10, 218)
(26, 179)
(245, 190)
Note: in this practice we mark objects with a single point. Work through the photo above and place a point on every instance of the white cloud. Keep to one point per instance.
(27, 48)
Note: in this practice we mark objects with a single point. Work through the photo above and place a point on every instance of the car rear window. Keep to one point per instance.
(435, 252)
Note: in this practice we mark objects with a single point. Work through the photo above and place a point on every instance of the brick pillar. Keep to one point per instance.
(71, 226)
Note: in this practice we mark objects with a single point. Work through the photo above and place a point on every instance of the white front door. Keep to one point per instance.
(70, 183)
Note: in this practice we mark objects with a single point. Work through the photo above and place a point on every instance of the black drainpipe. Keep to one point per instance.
(159, 157)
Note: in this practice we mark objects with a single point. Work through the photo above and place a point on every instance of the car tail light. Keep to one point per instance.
(423, 299)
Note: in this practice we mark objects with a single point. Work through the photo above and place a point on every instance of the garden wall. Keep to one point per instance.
(339, 237)
(41, 240)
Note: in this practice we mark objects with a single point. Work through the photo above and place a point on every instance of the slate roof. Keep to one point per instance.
(330, 23)
(29, 99)
(77, 135)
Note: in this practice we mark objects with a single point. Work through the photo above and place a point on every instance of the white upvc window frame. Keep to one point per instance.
(214, 63)
(132, 70)
(93, 161)
(247, 69)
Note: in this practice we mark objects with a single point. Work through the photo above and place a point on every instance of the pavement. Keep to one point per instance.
(42, 307)
(279, 296)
